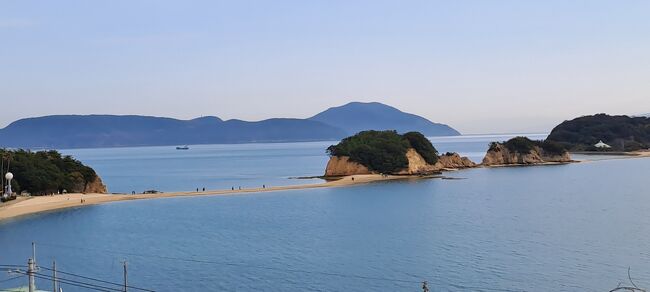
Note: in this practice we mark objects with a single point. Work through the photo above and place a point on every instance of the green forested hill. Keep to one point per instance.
(623, 133)
(45, 172)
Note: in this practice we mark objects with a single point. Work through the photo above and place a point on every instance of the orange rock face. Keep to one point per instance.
(502, 156)
(95, 187)
(340, 166)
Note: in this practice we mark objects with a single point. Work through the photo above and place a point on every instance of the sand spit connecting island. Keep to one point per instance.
(418, 159)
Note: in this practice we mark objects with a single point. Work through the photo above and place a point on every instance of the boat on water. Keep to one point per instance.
(182, 147)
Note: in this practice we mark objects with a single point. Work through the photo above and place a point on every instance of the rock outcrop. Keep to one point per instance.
(454, 161)
(501, 155)
(417, 164)
(342, 166)
(95, 187)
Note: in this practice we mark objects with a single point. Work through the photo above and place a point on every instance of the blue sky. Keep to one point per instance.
(480, 66)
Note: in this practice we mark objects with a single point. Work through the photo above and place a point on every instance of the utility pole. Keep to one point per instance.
(125, 277)
(2, 172)
(54, 281)
(34, 252)
(30, 274)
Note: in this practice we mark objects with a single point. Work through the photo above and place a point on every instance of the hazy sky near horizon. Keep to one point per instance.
(479, 66)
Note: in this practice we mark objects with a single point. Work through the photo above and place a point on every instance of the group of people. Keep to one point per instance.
(239, 188)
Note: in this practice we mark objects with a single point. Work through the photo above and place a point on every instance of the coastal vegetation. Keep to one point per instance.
(45, 172)
(523, 151)
(622, 133)
(384, 151)
(525, 145)
(423, 146)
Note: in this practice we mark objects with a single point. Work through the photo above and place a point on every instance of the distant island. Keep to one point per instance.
(388, 152)
(90, 131)
(355, 117)
(603, 132)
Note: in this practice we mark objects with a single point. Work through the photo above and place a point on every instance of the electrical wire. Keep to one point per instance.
(76, 282)
(95, 279)
(73, 283)
(354, 276)
(14, 278)
(241, 265)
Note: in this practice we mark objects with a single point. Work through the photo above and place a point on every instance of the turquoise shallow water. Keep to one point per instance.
(574, 227)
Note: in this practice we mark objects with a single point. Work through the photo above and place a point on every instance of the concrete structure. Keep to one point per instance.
(600, 144)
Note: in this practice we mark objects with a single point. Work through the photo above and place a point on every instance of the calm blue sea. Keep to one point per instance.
(574, 227)
(225, 166)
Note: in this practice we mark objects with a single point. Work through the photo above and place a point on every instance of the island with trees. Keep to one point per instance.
(388, 152)
(49, 172)
(523, 151)
(603, 132)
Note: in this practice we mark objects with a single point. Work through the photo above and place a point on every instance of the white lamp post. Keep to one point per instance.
(9, 176)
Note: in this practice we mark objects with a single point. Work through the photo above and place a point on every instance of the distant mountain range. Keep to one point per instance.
(90, 131)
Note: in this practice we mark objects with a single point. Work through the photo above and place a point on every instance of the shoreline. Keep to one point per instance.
(630, 154)
(24, 206)
(39, 204)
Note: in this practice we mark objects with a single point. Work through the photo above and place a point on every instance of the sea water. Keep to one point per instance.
(575, 227)
(218, 167)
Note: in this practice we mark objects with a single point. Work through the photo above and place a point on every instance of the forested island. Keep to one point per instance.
(617, 133)
(388, 152)
(49, 172)
(523, 151)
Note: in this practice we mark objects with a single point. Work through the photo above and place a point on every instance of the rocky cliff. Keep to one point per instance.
(417, 164)
(454, 161)
(95, 187)
(341, 166)
(499, 154)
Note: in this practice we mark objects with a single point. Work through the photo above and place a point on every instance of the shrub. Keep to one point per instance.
(524, 145)
(553, 148)
(520, 145)
(423, 146)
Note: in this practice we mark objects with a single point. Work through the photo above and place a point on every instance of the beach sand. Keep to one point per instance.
(614, 155)
(31, 205)
(640, 153)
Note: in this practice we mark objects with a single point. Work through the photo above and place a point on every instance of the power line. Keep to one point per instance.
(241, 265)
(8, 268)
(74, 283)
(193, 260)
(14, 278)
(97, 280)
(474, 288)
